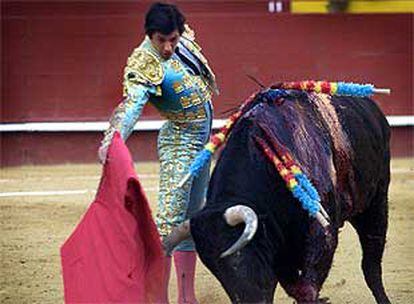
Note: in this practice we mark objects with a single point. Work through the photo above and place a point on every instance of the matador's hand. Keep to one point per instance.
(102, 153)
(177, 235)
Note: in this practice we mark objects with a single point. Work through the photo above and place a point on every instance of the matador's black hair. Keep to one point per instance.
(164, 18)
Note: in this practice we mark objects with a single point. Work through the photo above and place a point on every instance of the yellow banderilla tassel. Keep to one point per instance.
(221, 136)
(292, 184)
(295, 169)
(284, 172)
(334, 88)
(318, 87)
(210, 147)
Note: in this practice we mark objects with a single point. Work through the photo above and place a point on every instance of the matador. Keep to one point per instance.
(169, 71)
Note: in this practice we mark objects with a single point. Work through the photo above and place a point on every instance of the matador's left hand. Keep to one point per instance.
(102, 153)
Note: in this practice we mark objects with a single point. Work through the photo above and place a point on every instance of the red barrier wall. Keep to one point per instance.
(73, 147)
(63, 61)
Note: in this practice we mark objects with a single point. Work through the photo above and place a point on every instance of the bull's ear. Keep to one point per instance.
(236, 215)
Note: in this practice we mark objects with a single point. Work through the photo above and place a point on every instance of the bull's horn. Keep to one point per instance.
(236, 215)
(178, 234)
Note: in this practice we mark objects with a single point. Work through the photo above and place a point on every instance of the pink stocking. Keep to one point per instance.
(185, 262)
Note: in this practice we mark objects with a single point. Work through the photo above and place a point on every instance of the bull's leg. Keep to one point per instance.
(371, 227)
(319, 252)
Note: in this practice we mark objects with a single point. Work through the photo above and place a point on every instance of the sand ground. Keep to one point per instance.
(34, 226)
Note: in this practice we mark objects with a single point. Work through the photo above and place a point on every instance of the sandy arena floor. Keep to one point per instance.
(33, 226)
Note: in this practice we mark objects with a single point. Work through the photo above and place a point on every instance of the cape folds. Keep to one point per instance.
(114, 255)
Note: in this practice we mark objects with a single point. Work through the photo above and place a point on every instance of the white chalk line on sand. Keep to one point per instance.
(43, 193)
(140, 176)
(58, 192)
(95, 177)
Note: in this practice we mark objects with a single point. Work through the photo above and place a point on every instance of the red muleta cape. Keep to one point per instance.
(114, 254)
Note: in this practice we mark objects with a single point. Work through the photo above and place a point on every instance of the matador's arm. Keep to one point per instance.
(126, 114)
(142, 78)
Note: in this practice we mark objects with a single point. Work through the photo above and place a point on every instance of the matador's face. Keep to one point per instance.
(165, 44)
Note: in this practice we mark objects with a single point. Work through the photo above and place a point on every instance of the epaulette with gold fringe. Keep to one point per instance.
(144, 67)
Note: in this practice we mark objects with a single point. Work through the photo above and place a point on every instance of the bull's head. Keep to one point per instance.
(234, 215)
(233, 263)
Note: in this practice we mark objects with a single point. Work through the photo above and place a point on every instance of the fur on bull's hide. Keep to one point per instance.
(342, 144)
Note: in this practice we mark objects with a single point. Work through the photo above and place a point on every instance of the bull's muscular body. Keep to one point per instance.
(342, 144)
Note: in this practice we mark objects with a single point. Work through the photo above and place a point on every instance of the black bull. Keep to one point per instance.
(342, 144)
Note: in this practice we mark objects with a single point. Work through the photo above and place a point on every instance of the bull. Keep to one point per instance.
(253, 234)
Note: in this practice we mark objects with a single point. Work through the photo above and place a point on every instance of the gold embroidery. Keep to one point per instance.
(180, 167)
(193, 47)
(188, 83)
(185, 101)
(175, 65)
(196, 50)
(158, 91)
(198, 114)
(196, 100)
(191, 116)
(143, 67)
(188, 32)
(178, 88)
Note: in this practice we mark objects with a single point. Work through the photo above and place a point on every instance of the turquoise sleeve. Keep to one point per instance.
(126, 114)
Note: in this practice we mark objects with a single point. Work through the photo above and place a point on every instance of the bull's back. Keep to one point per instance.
(366, 126)
(368, 134)
(341, 143)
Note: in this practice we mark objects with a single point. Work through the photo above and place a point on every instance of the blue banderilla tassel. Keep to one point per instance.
(307, 186)
(202, 158)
